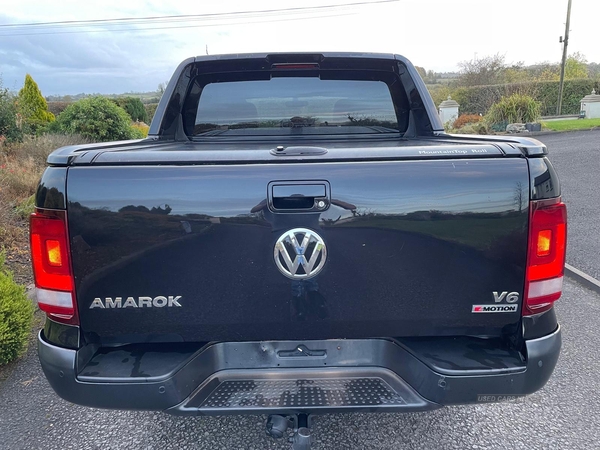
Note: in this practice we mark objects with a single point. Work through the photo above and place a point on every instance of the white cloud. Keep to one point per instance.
(435, 34)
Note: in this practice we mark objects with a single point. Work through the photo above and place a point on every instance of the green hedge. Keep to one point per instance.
(479, 99)
(16, 315)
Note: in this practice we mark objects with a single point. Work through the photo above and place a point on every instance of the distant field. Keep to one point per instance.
(575, 124)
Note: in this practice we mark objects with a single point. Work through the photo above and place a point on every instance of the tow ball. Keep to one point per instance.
(277, 427)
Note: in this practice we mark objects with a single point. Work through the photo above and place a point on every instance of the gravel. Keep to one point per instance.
(563, 415)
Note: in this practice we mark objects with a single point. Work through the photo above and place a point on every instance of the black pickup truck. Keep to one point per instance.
(297, 235)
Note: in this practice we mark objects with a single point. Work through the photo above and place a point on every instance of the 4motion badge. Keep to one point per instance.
(511, 299)
(494, 308)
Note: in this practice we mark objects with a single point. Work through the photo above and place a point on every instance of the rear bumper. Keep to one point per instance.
(265, 377)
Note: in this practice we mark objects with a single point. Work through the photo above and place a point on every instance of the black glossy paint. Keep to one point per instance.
(539, 325)
(412, 245)
(543, 179)
(51, 192)
(61, 334)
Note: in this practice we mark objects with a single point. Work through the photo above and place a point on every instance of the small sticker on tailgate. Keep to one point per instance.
(494, 308)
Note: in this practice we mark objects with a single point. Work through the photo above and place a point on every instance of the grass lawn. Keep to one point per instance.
(575, 124)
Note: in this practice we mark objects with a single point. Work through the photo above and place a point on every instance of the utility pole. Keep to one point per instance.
(565, 42)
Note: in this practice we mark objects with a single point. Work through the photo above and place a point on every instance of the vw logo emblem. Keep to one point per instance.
(300, 253)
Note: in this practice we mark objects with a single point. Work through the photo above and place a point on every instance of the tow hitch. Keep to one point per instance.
(277, 427)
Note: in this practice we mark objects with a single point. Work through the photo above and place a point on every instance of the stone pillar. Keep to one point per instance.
(590, 105)
(448, 110)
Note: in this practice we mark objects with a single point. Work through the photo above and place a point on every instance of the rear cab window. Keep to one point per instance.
(340, 103)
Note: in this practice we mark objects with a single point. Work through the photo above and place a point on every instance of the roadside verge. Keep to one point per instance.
(582, 278)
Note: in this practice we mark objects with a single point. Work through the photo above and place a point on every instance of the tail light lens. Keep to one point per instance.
(52, 265)
(546, 255)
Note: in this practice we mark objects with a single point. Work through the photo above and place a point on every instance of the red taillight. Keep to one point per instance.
(52, 265)
(546, 255)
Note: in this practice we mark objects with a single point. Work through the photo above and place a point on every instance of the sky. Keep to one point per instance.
(136, 57)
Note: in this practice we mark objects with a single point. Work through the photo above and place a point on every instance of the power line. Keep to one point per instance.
(185, 17)
(254, 21)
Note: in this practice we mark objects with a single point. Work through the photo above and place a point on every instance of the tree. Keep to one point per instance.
(162, 87)
(134, 107)
(594, 70)
(481, 72)
(576, 66)
(549, 74)
(515, 73)
(33, 106)
(96, 118)
(432, 77)
(421, 71)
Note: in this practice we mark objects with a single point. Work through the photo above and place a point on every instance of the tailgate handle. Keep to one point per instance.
(299, 190)
(298, 196)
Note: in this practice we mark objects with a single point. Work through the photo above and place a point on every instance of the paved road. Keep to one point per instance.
(564, 415)
(576, 157)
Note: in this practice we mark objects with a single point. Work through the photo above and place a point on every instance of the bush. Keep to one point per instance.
(140, 130)
(465, 119)
(8, 114)
(517, 108)
(472, 128)
(25, 208)
(16, 315)
(97, 119)
(134, 107)
(150, 111)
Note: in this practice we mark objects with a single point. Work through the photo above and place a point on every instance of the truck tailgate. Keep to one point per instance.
(188, 253)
